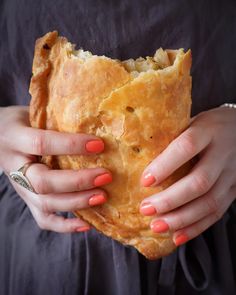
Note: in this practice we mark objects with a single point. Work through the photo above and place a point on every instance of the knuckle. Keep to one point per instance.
(212, 205)
(72, 144)
(42, 224)
(214, 208)
(196, 229)
(40, 185)
(162, 168)
(42, 205)
(179, 223)
(166, 205)
(38, 144)
(80, 184)
(187, 144)
(218, 214)
(71, 227)
(200, 183)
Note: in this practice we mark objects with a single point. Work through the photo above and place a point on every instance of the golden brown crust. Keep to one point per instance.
(41, 71)
(137, 117)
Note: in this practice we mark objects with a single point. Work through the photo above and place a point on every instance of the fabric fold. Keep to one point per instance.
(196, 263)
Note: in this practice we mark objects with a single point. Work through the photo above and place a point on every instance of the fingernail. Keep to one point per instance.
(97, 200)
(103, 179)
(159, 226)
(181, 239)
(94, 146)
(147, 180)
(147, 209)
(83, 228)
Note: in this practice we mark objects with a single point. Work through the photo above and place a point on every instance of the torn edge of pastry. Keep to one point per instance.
(159, 61)
(51, 46)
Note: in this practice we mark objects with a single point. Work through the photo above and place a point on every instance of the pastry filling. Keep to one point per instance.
(160, 60)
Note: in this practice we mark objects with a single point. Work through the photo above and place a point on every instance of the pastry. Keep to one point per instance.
(136, 106)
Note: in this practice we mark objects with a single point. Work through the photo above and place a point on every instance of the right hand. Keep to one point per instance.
(57, 190)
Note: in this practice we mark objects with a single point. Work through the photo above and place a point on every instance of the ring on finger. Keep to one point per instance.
(20, 178)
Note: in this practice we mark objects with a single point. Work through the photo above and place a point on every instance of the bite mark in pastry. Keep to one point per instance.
(136, 106)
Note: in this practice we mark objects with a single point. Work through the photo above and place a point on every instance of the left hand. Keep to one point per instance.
(198, 200)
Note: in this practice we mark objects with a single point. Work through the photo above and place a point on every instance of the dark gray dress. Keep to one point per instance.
(36, 262)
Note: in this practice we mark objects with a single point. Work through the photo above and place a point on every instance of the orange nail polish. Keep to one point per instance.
(181, 239)
(96, 200)
(147, 209)
(147, 180)
(103, 179)
(159, 226)
(83, 228)
(95, 146)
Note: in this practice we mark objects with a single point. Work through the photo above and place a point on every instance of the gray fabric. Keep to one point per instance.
(39, 262)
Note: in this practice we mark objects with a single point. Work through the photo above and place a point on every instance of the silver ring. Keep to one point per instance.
(20, 178)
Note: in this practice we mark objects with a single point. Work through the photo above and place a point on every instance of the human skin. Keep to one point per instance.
(187, 208)
(57, 190)
(198, 200)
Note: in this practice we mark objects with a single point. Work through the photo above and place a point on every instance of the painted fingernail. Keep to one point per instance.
(102, 179)
(147, 180)
(96, 200)
(147, 209)
(83, 228)
(94, 146)
(181, 239)
(159, 226)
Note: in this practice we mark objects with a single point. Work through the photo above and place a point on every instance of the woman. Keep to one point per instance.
(43, 253)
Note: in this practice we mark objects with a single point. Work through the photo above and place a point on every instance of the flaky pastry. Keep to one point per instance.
(136, 106)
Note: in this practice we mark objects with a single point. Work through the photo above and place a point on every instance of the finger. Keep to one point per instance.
(187, 215)
(45, 180)
(68, 202)
(213, 202)
(59, 224)
(178, 152)
(213, 208)
(47, 142)
(12, 160)
(47, 220)
(182, 236)
(198, 182)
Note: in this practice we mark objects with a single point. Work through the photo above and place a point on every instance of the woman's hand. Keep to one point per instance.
(198, 200)
(58, 190)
